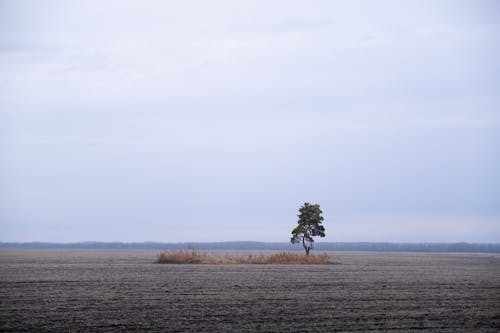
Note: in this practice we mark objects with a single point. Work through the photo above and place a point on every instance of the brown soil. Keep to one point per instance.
(113, 291)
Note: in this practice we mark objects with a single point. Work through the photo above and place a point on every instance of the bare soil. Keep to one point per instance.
(118, 290)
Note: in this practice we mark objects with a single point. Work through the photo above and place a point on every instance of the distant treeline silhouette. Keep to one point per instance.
(277, 246)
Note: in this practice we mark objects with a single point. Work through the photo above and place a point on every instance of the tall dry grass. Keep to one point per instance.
(282, 258)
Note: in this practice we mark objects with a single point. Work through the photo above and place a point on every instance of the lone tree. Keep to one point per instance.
(309, 226)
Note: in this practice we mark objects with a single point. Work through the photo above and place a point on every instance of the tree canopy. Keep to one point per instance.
(309, 226)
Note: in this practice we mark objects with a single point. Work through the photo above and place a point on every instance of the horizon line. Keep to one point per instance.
(241, 241)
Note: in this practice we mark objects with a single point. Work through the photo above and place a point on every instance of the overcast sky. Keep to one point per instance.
(215, 120)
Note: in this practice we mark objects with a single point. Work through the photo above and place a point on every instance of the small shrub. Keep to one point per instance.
(283, 258)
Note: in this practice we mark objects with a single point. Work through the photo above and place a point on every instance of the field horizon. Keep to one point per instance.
(256, 245)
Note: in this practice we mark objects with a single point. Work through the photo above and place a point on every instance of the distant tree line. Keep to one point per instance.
(281, 246)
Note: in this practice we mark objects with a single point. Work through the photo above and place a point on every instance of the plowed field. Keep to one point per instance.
(124, 291)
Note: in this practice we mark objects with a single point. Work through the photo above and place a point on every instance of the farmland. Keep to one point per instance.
(121, 290)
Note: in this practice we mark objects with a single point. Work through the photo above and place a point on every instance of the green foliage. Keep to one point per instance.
(309, 226)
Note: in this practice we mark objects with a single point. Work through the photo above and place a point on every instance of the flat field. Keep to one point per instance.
(124, 291)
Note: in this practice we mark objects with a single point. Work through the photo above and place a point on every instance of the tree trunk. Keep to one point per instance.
(306, 248)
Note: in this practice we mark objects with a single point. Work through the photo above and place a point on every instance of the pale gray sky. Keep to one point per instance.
(215, 120)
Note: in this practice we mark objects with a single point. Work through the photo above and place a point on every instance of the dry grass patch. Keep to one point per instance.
(181, 257)
(283, 258)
